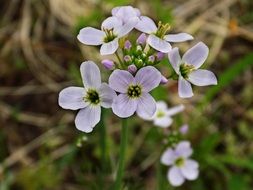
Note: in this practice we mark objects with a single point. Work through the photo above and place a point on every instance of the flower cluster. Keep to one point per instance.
(134, 74)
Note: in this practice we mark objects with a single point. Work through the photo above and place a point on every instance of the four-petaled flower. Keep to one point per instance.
(134, 92)
(162, 117)
(112, 29)
(182, 167)
(158, 39)
(88, 99)
(188, 69)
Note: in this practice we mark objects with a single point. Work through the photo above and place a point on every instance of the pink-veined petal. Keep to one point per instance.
(158, 43)
(87, 118)
(120, 80)
(90, 74)
(126, 28)
(175, 59)
(184, 88)
(146, 25)
(123, 106)
(72, 98)
(109, 47)
(146, 106)
(107, 95)
(91, 36)
(111, 22)
(197, 55)
(180, 37)
(148, 77)
(202, 77)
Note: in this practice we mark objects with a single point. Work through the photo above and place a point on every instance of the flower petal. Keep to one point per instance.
(107, 95)
(110, 47)
(168, 157)
(161, 105)
(146, 25)
(202, 77)
(175, 59)
(163, 122)
(87, 118)
(190, 170)
(123, 106)
(91, 36)
(90, 74)
(111, 22)
(148, 77)
(174, 110)
(126, 28)
(175, 176)
(125, 12)
(158, 44)
(180, 37)
(197, 55)
(120, 80)
(184, 88)
(72, 98)
(184, 149)
(146, 106)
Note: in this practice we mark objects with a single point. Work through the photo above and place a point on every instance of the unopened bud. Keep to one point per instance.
(164, 80)
(132, 68)
(184, 129)
(141, 39)
(151, 58)
(127, 58)
(108, 64)
(160, 56)
(127, 45)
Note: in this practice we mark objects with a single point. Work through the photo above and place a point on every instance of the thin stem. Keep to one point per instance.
(103, 140)
(123, 146)
(120, 61)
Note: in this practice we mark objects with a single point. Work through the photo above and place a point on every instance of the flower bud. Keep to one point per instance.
(127, 45)
(164, 80)
(127, 58)
(151, 58)
(141, 39)
(160, 56)
(132, 68)
(108, 64)
(184, 129)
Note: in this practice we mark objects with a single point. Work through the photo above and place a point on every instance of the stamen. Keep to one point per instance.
(134, 91)
(92, 97)
(186, 69)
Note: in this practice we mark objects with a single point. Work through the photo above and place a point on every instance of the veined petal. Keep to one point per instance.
(175, 59)
(110, 47)
(87, 118)
(148, 77)
(107, 95)
(190, 170)
(126, 28)
(146, 106)
(168, 157)
(158, 43)
(197, 55)
(123, 106)
(111, 22)
(146, 25)
(120, 80)
(90, 74)
(180, 37)
(91, 36)
(184, 88)
(163, 122)
(175, 176)
(72, 98)
(184, 149)
(174, 110)
(202, 77)
(125, 13)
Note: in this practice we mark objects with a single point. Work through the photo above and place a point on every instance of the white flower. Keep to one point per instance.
(157, 35)
(134, 92)
(88, 99)
(126, 13)
(111, 30)
(162, 117)
(188, 69)
(182, 167)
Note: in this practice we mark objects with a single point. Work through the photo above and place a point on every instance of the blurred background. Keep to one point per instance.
(40, 148)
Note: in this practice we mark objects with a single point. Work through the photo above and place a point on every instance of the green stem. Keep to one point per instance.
(123, 146)
(103, 140)
(120, 61)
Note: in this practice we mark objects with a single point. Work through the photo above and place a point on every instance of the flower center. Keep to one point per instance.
(134, 91)
(179, 162)
(160, 114)
(162, 30)
(185, 70)
(110, 36)
(92, 96)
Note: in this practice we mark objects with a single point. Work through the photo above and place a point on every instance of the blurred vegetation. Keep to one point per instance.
(40, 147)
